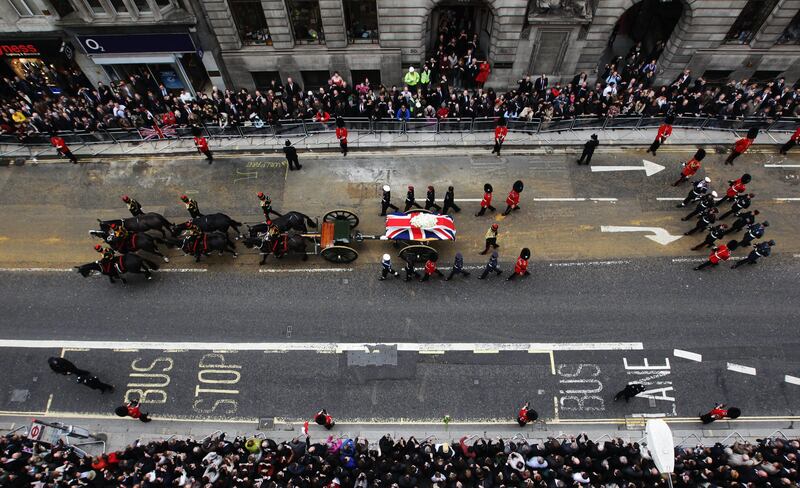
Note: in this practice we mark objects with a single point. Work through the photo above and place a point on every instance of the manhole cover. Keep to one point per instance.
(266, 423)
(19, 396)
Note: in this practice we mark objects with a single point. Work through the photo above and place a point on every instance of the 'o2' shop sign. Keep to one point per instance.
(137, 43)
(19, 50)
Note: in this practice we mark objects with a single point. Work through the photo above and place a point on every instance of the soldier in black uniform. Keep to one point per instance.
(754, 231)
(491, 266)
(386, 267)
(458, 268)
(588, 150)
(706, 218)
(740, 203)
(191, 207)
(133, 206)
(430, 199)
(291, 156)
(744, 219)
(386, 201)
(714, 233)
(410, 200)
(760, 250)
(266, 205)
(450, 201)
(706, 201)
(410, 271)
(699, 188)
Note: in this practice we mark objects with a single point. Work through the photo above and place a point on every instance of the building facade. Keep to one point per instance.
(190, 45)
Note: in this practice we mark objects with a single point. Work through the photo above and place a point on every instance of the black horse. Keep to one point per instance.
(126, 263)
(209, 223)
(207, 242)
(140, 223)
(286, 222)
(278, 246)
(136, 241)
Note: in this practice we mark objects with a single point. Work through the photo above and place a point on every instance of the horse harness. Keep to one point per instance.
(197, 242)
(106, 265)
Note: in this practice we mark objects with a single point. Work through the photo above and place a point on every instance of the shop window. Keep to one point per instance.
(250, 22)
(749, 21)
(306, 21)
(25, 8)
(143, 6)
(373, 75)
(263, 79)
(95, 6)
(119, 6)
(361, 18)
(315, 79)
(791, 35)
(62, 7)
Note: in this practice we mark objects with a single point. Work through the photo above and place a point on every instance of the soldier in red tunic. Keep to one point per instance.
(430, 269)
(486, 201)
(341, 134)
(691, 167)
(512, 201)
(521, 266)
(742, 145)
(792, 142)
(201, 144)
(526, 414)
(324, 419)
(718, 254)
(664, 131)
(62, 148)
(737, 187)
(500, 133)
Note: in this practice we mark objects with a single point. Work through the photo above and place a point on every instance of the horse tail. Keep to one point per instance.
(152, 265)
(230, 242)
(309, 222)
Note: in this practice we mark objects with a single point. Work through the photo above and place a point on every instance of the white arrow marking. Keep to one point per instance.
(660, 235)
(782, 165)
(650, 168)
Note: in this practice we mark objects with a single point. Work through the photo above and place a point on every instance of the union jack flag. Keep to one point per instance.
(399, 227)
(158, 132)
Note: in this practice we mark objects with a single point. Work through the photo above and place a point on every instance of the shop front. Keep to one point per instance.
(172, 59)
(46, 64)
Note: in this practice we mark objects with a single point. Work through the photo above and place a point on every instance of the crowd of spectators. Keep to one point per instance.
(445, 88)
(395, 463)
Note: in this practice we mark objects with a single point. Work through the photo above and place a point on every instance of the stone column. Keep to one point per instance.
(776, 23)
(332, 13)
(278, 22)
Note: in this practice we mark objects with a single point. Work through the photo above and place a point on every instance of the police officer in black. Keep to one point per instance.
(588, 150)
(410, 271)
(740, 203)
(760, 250)
(410, 200)
(706, 201)
(386, 201)
(291, 156)
(699, 188)
(754, 231)
(450, 201)
(706, 218)
(458, 267)
(134, 207)
(491, 266)
(744, 219)
(430, 199)
(714, 233)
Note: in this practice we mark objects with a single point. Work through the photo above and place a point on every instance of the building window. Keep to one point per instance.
(62, 7)
(264, 79)
(361, 18)
(315, 79)
(24, 8)
(95, 6)
(162, 4)
(791, 35)
(749, 21)
(306, 21)
(143, 6)
(361, 76)
(250, 22)
(119, 6)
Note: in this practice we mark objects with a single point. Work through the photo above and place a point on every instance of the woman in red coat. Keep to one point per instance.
(483, 74)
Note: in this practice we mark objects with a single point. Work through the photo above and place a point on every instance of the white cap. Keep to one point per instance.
(410, 69)
(708, 180)
(714, 194)
(386, 257)
(386, 188)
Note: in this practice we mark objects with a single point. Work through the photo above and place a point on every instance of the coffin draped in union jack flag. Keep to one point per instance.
(420, 226)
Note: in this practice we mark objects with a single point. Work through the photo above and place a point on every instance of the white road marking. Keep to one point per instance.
(183, 270)
(741, 369)
(603, 199)
(546, 199)
(691, 356)
(36, 270)
(793, 199)
(307, 270)
(322, 346)
(650, 168)
(557, 199)
(782, 165)
(669, 199)
(660, 235)
(589, 263)
(688, 260)
(792, 379)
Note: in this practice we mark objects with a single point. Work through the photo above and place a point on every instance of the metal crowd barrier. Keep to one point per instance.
(291, 128)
